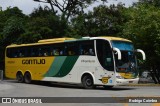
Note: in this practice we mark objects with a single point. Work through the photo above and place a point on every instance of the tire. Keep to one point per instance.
(107, 87)
(87, 82)
(19, 77)
(27, 77)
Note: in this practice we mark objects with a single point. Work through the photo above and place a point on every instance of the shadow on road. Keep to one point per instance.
(72, 86)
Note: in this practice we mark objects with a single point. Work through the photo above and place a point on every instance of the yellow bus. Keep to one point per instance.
(90, 61)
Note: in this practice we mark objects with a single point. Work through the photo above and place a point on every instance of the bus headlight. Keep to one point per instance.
(119, 77)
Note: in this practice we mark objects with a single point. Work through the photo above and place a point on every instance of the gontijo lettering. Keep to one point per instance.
(33, 61)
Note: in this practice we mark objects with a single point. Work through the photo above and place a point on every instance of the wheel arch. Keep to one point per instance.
(88, 73)
(27, 71)
(19, 72)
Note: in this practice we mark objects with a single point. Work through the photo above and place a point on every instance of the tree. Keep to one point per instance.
(155, 3)
(43, 24)
(102, 21)
(68, 7)
(12, 30)
(143, 28)
(11, 27)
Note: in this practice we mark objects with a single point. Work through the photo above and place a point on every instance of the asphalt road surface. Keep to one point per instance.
(10, 88)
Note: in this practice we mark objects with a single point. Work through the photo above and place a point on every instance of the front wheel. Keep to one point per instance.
(87, 82)
(27, 77)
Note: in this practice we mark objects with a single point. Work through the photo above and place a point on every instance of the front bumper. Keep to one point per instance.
(126, 81)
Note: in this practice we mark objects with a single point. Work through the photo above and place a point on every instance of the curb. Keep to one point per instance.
(143, 85)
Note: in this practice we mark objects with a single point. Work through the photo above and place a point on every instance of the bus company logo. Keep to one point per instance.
(105, 79)
(33, 61)
(6, 100)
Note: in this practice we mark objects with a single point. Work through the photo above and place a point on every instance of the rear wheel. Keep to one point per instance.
(19, 77)
(27, 77)
(87, 82)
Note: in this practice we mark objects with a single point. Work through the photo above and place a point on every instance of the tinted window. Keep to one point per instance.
(123, 45)
(86, 47)
(58, 49)
(104, 54)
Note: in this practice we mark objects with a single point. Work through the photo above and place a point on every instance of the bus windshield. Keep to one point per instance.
(121, 45)
(128, 61)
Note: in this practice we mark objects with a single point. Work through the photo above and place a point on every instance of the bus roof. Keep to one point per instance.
(59, 40)
(55, 40)
(114, 38)
(44, 41)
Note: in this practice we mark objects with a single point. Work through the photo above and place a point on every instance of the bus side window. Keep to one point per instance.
(15, 54)
(45, 54)
(56, 52)
(86, 47)
(85, 52)
(21, 52)
(34, 52)
(71, 48)
(11, 52)
(61, 52)
(21, 55)
(45, 50)
(91, 52)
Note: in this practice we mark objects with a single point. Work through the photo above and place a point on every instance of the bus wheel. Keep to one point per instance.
(87, 82)
(107, 87)
(19, 77)
(27, 77)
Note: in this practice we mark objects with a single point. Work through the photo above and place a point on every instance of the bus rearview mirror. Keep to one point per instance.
(142, 52)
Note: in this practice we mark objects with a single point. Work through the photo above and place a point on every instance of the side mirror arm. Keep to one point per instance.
(142, 52)
(119, 53)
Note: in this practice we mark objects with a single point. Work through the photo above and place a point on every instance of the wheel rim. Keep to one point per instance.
(27, 78)
(20, 78)
(88, 82)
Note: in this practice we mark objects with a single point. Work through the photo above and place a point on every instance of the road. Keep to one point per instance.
(10, 88)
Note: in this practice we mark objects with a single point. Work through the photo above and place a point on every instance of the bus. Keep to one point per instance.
(89, 61)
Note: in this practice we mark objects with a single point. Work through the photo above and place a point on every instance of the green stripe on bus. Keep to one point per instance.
(61, 66)
(67, 66)
(56, 65)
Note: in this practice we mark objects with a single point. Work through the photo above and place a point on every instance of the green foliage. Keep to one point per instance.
(41, 12)
(13, 28)
(28, 37)
(69, 7)
(46, 24)
(102, 21)
(15, 11)
(155, 3)
(3, 18)
(143, 28)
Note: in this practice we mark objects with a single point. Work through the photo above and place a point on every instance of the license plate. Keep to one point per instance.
(130, 81)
